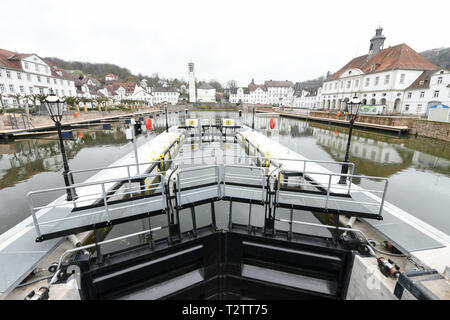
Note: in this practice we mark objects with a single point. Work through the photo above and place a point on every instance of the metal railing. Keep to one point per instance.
(97, 200)
(331, 188)
(246, 178)
(96, 194)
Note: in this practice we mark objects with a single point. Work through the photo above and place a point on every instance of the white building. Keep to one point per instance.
(308, 98)
(429, 89)
(165, 94)
(28, 74)
(272, 92)
(377, 78)
(111, 77)
(142, 94)
(192, 96)
(239, 95)
(280, 92)
(206, 93)
(257, 94)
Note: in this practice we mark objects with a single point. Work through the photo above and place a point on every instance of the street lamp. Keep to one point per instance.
(55, 108)
(353, 110)
(167, 122)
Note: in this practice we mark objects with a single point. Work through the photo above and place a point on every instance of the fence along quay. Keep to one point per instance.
(205, 171)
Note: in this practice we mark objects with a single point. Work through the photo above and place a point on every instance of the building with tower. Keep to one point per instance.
(192, 91)
(377, 78)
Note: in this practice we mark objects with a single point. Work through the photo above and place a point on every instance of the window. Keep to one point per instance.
(28, 77)
(335, 85)
(402, 78)
(41, 90)
(54, 80)
(26, 65)
(356, 83)
(436, 94)
(367, 82)
(348, 84)
(48, 80)
(409, 95)
(420, 82)
(2, 87)
(377, 79)
(22, 89)
(422, 94)
(11, 88)
(36, 66)
(387, 78)
(39, 78)
(419, 108)
(63, 92)
(8, 74)
(439, 81)
(31, 90)
(406, 107)
(19, 76)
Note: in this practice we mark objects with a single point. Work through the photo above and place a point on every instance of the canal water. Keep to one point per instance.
(418, 168)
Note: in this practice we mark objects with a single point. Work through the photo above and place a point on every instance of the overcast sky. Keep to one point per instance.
(240, 40)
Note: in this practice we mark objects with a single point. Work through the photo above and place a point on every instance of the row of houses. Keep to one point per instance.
(397, 79)
(23, 76)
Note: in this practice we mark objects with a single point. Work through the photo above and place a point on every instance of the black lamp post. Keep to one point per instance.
(55, 108)
(167, 121)
(353, 110)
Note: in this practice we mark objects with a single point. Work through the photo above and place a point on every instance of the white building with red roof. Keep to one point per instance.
(377, 78)
(28, 74)
(110, 77)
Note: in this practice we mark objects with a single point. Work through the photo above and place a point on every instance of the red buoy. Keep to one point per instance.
(148, 124)
(272, 123)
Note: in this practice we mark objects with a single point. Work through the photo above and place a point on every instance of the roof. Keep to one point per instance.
(206, 86)
(164, 89)
(400, 56)
(11, 60)
(422, 82)
(234, 90)
(86, 79)
(129, 87)
(272, 83)
(311, 91)
(253, 87)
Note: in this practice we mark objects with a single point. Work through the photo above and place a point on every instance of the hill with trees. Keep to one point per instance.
(438, 56)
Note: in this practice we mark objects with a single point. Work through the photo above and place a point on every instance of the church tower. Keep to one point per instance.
(192, 95)
(376, 43)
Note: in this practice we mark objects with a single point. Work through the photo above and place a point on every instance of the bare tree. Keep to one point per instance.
(231, 84)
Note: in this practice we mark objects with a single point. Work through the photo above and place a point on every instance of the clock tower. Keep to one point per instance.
(376, 43)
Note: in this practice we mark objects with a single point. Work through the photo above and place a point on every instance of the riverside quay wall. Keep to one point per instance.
(421, 127)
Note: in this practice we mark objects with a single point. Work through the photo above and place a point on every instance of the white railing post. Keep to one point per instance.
(33, 215)
(328, 191)
(105, 201)
(384, 195)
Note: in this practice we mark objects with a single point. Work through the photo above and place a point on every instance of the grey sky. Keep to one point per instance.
(230, 39)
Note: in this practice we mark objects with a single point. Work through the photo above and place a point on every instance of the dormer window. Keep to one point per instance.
(372, 67)
(350, 72)
(420, 82)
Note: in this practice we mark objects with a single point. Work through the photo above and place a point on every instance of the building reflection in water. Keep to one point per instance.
(374, 153)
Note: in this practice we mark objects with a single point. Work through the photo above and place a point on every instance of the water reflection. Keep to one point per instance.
(375, 154)
(418, 168)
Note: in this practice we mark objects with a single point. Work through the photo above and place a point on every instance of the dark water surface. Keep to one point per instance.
(418, 168)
